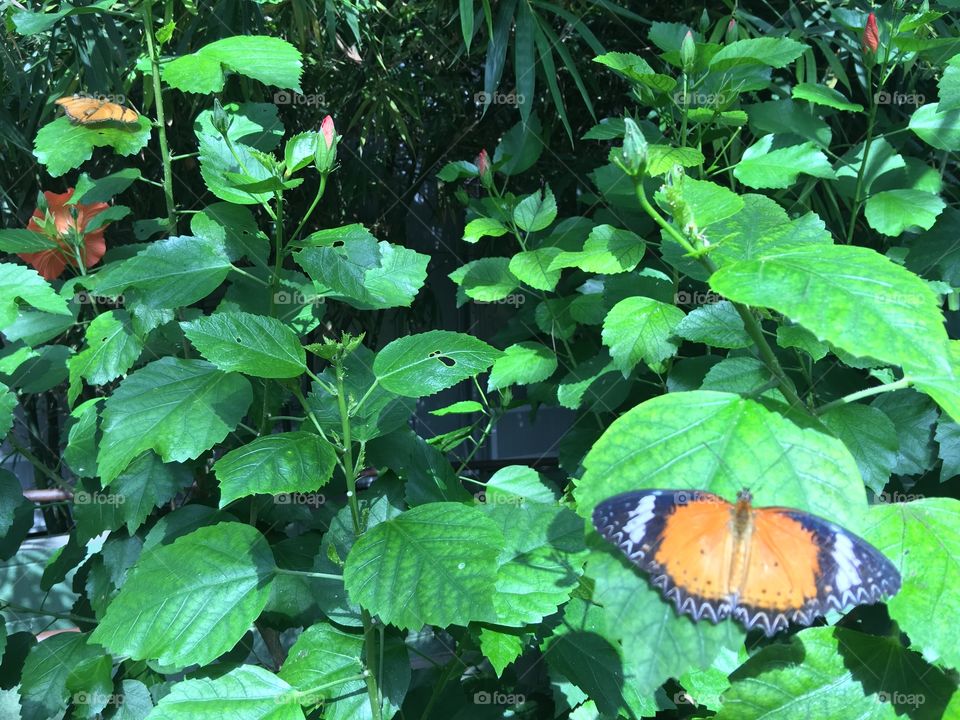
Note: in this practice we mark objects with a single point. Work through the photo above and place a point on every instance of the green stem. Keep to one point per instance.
(860, 394)
(858, 199)
(304, 573)
(478, 443)
(369, 637)
(161, 123)
(750, 322)
(320, 190)
(6, 604)
(366, 395)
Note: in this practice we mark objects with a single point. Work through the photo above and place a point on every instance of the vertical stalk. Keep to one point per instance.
(369, 636)
(160, 124)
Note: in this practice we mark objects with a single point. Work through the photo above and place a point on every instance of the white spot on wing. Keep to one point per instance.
(636, 526)
(848, 573)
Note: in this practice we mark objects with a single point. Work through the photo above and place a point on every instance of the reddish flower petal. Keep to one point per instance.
(49, 263)
(871, 34)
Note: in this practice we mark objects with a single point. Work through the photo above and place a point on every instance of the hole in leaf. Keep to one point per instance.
(239, 341)
(448, 361)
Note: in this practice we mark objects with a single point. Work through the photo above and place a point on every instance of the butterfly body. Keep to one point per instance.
(88, 110)
(765, 567)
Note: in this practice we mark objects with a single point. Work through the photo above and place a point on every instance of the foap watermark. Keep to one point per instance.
(497, 499)
(284, 97)
(296, 298)
(98, 699)
(898, 98)
(683, 698)
(514, 299)
(699, 99)
(498, 98)
(87, 298)
(299, 697)
(483, 697)
(82, 497)
(311, 499)
(696, 298)
(889, 498)
(901, 700)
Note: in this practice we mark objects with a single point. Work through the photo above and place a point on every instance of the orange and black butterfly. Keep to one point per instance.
(90, 110)
(765, 567)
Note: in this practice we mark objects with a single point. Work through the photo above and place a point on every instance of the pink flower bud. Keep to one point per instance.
(326, 127)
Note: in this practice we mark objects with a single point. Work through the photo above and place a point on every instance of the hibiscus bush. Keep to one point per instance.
(245, 405)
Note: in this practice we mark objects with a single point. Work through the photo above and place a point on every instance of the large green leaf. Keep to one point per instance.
(146, 483)
(641, 328)
(893, 211)
(247, 692)
(283, 463)
(722, 443)
(169, 273)
(19, 282)
(192, 600)
(938, 128)
(112, 349)
(541, 562)
(235, 227)
(851, 297)
(325, 664)
(178, 408)
(634, 612)
(435, 564)
(837, 673)
(364, 273)
(487, 280)
(823, 95)
(764, 166)
(253, 344)
(536, 212)
(43, 687)
(870, 437)
(270, 60)
(923, 539)
(522, 364)
(608, 250)
(715, 324)
(421, 365)
(63, 145)
(773, 51)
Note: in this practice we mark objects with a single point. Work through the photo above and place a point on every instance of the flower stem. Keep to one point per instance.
(369, 636)
(161, 123)
(750, 322)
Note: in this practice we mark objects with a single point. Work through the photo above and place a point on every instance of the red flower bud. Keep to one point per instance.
(483, 168)
(871, 35)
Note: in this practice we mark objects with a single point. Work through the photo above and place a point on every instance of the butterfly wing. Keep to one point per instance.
(682, 538)
(799, 566)
(88, 111)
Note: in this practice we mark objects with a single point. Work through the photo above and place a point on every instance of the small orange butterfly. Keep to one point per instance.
(89, 110)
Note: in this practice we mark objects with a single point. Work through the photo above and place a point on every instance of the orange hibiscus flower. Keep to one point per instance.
(59, 225)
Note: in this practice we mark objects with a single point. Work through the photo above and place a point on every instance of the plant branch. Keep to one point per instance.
(161, 123)
(750, 322)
